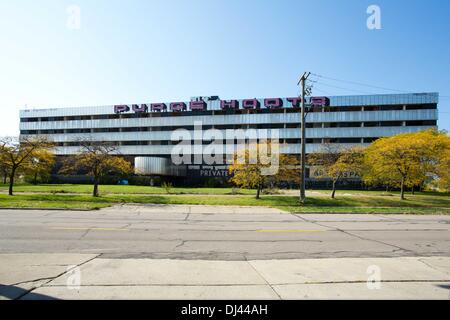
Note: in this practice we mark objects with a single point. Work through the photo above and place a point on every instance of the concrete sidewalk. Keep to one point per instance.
(49, 276)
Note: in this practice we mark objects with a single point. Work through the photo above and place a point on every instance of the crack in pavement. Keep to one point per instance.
(180, 244)
(361, 237)
(84, 234)
(240, 240)
(31, 281)
(262, 277)
(361, 281)
(239, 256)
(251, 284)
(431, 266)
(54, 277)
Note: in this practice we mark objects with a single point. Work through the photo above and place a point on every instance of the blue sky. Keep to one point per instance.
(150, 51)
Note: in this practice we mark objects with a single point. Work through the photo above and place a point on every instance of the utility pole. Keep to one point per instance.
(302, 82)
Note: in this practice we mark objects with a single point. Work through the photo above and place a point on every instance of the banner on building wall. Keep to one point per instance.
(318, 172)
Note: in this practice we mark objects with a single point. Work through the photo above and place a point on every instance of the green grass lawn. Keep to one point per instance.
(120, 189)
(117, 189)
(36, 204)
(346, 201)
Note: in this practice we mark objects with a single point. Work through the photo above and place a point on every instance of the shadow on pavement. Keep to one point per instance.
(444, 286)
(13, 292)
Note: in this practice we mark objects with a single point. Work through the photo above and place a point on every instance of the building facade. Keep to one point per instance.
(148, 133)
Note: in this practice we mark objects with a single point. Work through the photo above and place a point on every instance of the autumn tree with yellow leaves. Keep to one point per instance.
(335, 162)
(3, 170)
(438, 164)
(407, 160)
(20, 154)
(443, 169)
(96, 159)
(256, 166)
(39, 165)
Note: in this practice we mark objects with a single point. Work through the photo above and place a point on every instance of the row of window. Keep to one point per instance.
(282, 141)
(223, 112)
(242, 126)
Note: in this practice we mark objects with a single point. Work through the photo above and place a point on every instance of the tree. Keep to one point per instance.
(3, 167)
(251, 168)
(40, 165)
(17, 154)
(438, 165)
(406, 160)
(3, 170)
(443, 171)
(335, 163)
(97, 159)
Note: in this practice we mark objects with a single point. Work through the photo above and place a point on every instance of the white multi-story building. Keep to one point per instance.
(144, 132)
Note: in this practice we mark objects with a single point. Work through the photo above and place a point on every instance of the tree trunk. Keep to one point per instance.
(402, 189)
(412, 190)
(333, 191)
(35, 178)
(5, 175)
(95, 192)
(258, 191)
(11, 182)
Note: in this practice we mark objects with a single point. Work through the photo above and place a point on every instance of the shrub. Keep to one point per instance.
(235, 190)
(271, 191)
(167, 186)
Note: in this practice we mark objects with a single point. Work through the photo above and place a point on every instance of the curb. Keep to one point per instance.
(54, 209)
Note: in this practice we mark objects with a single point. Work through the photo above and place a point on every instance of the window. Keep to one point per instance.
(421, 123)
(349, 140)
(390, 108)
(315, 140)
(421, 106)
(391, 123)
(372, 108)
(372, 124)
(348, 124)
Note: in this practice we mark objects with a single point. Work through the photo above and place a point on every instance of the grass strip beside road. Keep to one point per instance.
(15, 203)
(118, 189)
(415, 204)
(149, 190)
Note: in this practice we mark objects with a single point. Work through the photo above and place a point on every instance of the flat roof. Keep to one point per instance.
(335, 101)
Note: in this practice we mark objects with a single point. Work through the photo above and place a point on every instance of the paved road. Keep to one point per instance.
(221, 233)
(212, 252)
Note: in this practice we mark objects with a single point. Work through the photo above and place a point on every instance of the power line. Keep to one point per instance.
(342, 88)
(329, 93)
(357, 83)
(368, 85)
(321, 90)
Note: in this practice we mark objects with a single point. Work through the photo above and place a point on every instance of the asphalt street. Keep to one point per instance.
(221, 233)
(221, 252)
